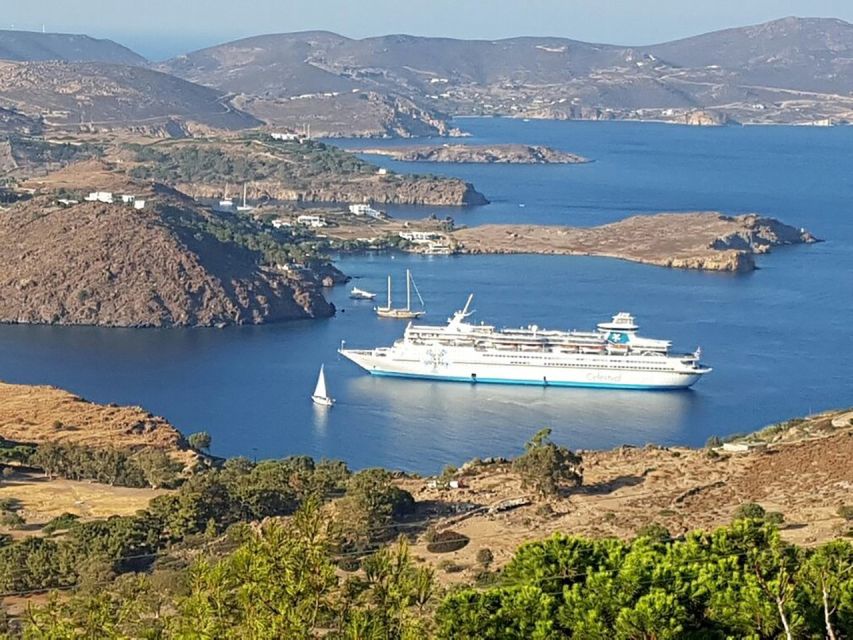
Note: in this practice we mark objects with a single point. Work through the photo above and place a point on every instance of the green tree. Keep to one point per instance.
(371, 503)
(158, 468)
(200, 440)
(547, 467)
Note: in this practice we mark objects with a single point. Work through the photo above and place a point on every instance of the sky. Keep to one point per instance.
(162, 28)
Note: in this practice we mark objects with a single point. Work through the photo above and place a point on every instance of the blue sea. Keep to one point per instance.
(779, 339)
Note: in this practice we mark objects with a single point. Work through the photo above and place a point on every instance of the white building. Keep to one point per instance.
(280, 223)
(311, 220)
(138, 204)
(286, 136)
(420, 237)
(364, 210)
(128, 199)
(100, 196)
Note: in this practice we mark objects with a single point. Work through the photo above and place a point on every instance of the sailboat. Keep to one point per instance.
(226, 201)
(320, 396)
(406, 313)
(244, 206)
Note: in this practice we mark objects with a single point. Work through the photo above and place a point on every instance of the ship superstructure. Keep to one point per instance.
(613, 355)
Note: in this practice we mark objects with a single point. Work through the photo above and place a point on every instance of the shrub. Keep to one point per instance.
(485, 557)
(200, 441)
(775, 518)
(448, 566)
(713, 442)
(655, 531)
(9, 504)
(750, 510)
(11, 520)
(447, 541)
(60, 523)
(845, 511)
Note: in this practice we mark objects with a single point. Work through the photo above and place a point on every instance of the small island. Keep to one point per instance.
(479, 154)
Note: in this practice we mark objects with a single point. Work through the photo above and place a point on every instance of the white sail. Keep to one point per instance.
(320, 389)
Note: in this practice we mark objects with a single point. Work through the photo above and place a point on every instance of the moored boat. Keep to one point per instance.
(361, 294)
(402, 313)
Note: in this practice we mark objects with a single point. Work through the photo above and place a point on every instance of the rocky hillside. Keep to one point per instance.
(699, 240)
(789, 70)
(32, 46)
(98, 97)
(37, 414)
(479, 153)
(170, 264)
(308, 171)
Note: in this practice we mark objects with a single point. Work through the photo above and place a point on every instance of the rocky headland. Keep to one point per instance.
(305, 171)
(481, 154)
(39, 414)
(169, 264)
(700, 240)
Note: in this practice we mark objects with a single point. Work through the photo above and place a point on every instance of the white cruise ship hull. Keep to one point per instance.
(542, 369)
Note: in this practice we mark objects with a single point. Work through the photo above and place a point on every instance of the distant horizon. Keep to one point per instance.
(195, 25)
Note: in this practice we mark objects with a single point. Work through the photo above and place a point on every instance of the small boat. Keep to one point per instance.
(361, 294)
(405, 313)
(226, 201)
(244, 206)
(320, 396)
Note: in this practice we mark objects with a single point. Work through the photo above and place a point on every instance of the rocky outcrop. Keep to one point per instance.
(163, 266)
(705, 240)
(702, 118)
(484, 154)
(378, 189)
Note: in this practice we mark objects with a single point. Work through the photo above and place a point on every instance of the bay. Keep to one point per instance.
(778, 338)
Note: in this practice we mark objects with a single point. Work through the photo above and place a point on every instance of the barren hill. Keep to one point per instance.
(37, 414)
(98, 96)
(789, 70)
(31, 45)
(170, 264)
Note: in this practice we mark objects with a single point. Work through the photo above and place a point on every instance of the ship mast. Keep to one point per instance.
(389, 291)
(408, 290)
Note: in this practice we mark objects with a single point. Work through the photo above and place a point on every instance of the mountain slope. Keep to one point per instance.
(32, 46)
(110, 95)
(111, 265)
(802, 53)
(789, 70)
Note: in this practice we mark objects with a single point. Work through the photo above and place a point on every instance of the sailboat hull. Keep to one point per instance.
(322, 401)
(398, 314)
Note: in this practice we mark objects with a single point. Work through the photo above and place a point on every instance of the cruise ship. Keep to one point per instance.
(612, 356)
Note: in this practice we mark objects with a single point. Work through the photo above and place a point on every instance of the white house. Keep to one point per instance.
(286, 136)
(420, 237)
(311, 220)
(364, 210)
(100, 196)
(280, 223)
(127, 199)
(138, 204)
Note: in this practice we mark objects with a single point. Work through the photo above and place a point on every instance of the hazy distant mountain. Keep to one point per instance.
(800, 53)
(101, 96)
(34, 46)
(746, 74)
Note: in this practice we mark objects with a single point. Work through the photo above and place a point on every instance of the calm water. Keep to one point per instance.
(779, 338)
